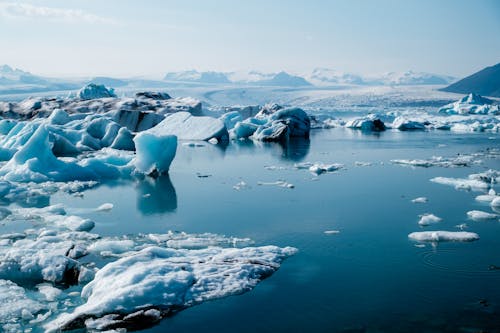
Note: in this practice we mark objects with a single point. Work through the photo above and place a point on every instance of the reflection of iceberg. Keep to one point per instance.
(156, 196)
(295, 149)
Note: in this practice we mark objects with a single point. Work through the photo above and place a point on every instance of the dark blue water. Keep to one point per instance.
(367, 278)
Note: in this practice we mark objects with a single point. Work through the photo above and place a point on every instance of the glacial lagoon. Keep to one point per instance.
(368, 277)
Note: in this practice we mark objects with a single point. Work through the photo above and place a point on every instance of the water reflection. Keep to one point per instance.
(156, 195)
(295, 149)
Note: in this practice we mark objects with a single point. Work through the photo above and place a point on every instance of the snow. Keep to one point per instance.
(93, 91)
(169, 280)
(187, 127)
(428, 219)
(478, 215)
(153, 273)
(475, 182)
(443, 236)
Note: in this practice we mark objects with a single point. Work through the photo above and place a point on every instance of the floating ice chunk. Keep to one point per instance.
(105, 207)
(93, 91)
(284, 123)
(495, 202)
(241, 186)
(459, 161)
(428, 219)
(187, 127)
(463, 184)
(362, 164)
(279, 183)
(155, 152)
(16, 305)
(403, 124)
(492, 195)
(331, 232)
(443, 236)
(478, 215)
(168, 280)
(420, 200)
(318, 168)
(462, 226)
(369, 124)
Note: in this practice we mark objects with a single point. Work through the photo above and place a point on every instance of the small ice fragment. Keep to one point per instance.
(420, 200)
(428, 219)
(331, 232)
(213, 141)
(147, 195)
(419, 245)
(478, 215)
(362, 164)
(462, 226)
(105, 207)
(241, 186)
(495, 202)
(279, 183)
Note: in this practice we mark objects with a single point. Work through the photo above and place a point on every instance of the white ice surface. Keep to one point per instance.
(443, 236)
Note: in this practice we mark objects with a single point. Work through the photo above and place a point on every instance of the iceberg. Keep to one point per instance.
(471, 104)
(283, 124)
(443, 236)
(188, 127)
(154, 152)
(368, 124)
(93, 91)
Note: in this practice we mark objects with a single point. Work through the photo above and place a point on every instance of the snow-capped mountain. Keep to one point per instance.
(412, 78)
(327, 76)
(9, 75)
(198, 77)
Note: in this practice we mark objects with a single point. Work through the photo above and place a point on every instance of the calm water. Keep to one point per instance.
(369, 277)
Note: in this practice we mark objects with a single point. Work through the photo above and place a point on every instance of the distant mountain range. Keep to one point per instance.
(486, 82)
(318, 77)
(17, 81)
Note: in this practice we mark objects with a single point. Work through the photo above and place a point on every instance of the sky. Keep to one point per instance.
(122, 38)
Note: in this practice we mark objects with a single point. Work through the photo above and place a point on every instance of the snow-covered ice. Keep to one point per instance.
(443, 236)
(478, 215)
(428, 219)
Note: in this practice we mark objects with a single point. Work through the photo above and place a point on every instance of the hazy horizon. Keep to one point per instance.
(126, 39)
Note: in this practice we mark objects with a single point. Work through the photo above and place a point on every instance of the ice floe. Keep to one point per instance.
(428, 219)
(443, 236)
(475, 182)
(135, 277)
(420, 200)
(94, 91)
(278, 183)
(478, 215)
(318, 168)
(439, 161)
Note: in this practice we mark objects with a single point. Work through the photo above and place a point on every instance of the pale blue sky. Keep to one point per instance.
(151, 37)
